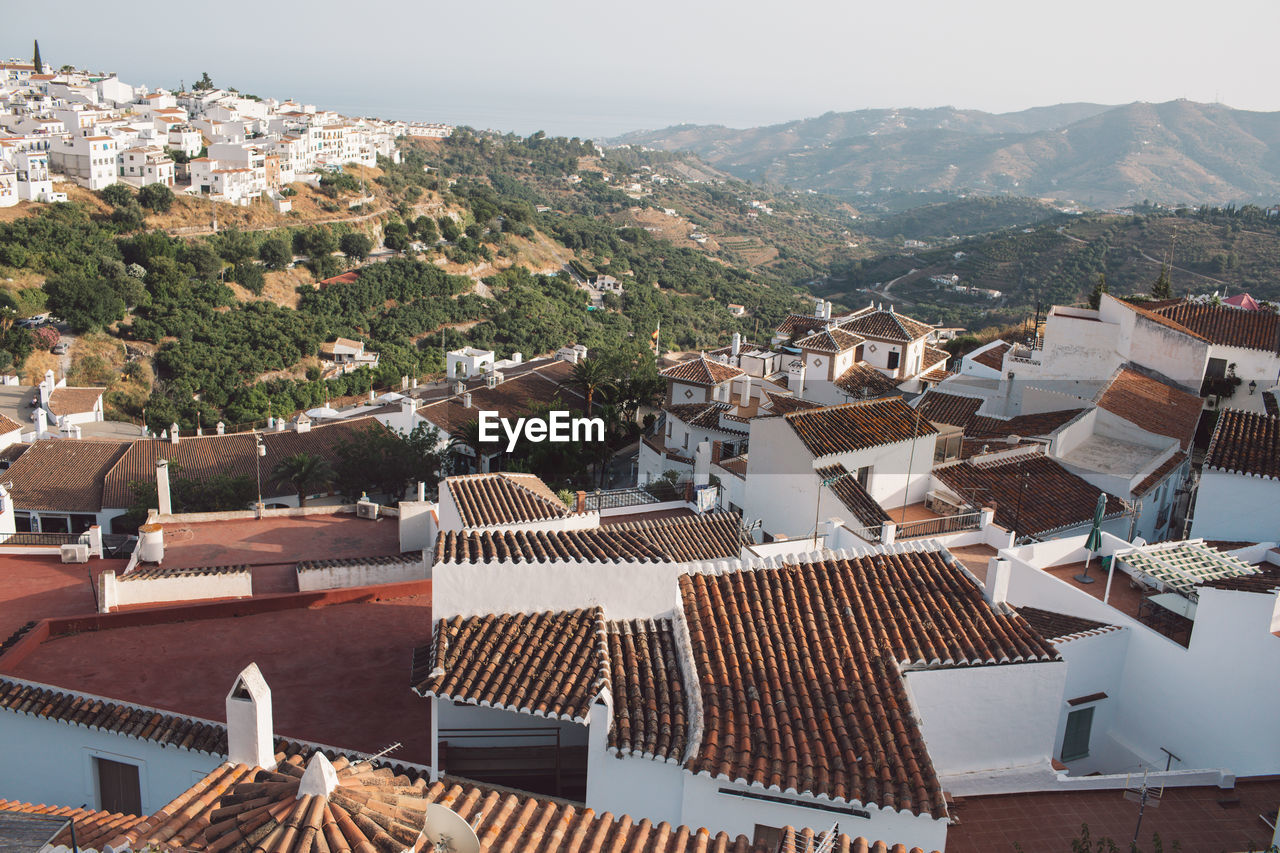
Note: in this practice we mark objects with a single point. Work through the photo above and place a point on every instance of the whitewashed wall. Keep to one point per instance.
(117, 592)
(362, 574)
(1236, 507)
(47, 761)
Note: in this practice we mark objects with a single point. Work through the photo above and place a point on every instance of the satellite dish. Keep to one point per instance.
(447, 832)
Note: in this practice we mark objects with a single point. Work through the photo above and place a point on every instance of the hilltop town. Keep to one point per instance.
(832, 577)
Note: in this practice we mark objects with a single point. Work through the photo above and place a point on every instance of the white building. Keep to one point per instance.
(145, 165)
(1238, 498)
(88, 160)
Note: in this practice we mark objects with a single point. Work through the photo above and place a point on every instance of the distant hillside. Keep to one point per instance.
(1180, 152)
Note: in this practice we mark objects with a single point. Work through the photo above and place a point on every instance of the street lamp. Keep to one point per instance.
(261, 451)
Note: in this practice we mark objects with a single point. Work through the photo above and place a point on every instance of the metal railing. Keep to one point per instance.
(939, 526)
(614, 498)
(43, 539)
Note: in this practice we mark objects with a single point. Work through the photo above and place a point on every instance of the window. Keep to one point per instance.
(893, 359)
(1075, 743)
(766, 837)
(864, 474)
(118, 786)
(1217, 368)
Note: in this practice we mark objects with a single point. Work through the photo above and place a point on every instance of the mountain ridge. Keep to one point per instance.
(1175, 152)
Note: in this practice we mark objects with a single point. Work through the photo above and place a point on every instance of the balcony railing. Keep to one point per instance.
(939, 526)
(42, 539)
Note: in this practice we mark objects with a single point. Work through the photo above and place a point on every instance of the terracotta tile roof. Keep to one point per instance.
(961, 411)
(503, 498)
(1054, 498)
(799, 325)
(704, 415)
(239, 808)
(8, 425)
(701, 371)
(866, 509)
(515, 398)
(11, 453)
(1160, 318)
(934, 356)
(546, 664)
(782, 404)
(887, 325)
(92, 828)
(391, 560)
(649, 702)
(151, 571)
(832, 339)
(1059, 627)
(856, 426)
(1231, 327)
(1244, 443)
(1149, 482)
(64, 474)
(235, 454)
(864, 381)
(93, 712)
(676, 539)
(1153, 405)
(1265, 581)
(993, 357)
(799, 670)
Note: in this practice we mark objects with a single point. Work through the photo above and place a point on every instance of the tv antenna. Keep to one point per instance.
(1144, 795)
(446, 832)
(386, 750)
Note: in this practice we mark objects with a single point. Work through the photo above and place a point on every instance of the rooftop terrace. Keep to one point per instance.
(280, 539)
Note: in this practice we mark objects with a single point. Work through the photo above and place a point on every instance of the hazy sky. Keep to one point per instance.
(601, 68)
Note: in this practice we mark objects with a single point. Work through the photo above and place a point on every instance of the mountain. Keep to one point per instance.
(1180, 152)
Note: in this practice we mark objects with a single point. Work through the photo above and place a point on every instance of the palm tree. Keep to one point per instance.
(305, 472)
(467, 438)
(589, 376)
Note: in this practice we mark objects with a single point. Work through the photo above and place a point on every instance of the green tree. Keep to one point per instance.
(355, 245)
(35, 59)
(116, 195)
(591, 375)
(204, 84)
(1095, 298)
(1162, 288)
(306, 472)
(425, 228)
(84, 303)
(157, 197)
(275, 253)
(449, 229)
(395, 236)
(467, 450)
(386, 462)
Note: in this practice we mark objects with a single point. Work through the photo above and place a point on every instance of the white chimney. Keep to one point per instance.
(8, 523)
(370, 395)
(162, 487)
(404, 383)
(996, 589)
(414, 383)
(744, 392)
(250, 735)
(702, 464)
(173, 433)
(281, 423)
(737, 344)
(319, 779)
(827, 312)
(422, 490)
(466, 400)
(303, 424)
(818, 309)
(271, 421)
(151, 543)
(221, 428)
(517, 358)
(42, 422)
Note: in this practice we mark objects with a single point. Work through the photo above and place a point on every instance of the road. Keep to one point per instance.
(890, 285)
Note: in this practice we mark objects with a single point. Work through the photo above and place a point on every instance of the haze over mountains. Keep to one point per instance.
(1179, 152)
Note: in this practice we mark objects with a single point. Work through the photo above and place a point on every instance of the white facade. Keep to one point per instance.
(90, 161)
(146, 165)
(1236, 507)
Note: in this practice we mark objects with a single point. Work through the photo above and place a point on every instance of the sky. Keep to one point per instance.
(603, 68)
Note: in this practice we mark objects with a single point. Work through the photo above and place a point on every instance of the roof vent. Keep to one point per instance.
(319, 780)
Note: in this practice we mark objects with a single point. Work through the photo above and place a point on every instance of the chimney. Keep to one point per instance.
(737, 344)
(414, 382)
(580, 504)
(466, 400)
(744, 391)
(250, 735)
(319, 779)
(42, 422)
(371, 398)
(173, 433)
(162, 487)
(826, 315)
(281, 424)
(818, 310)
(303, 424)
(271, 421)
(422, 492)
(404, 383)
(151, 543)
(996, 589)
(221, 428)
